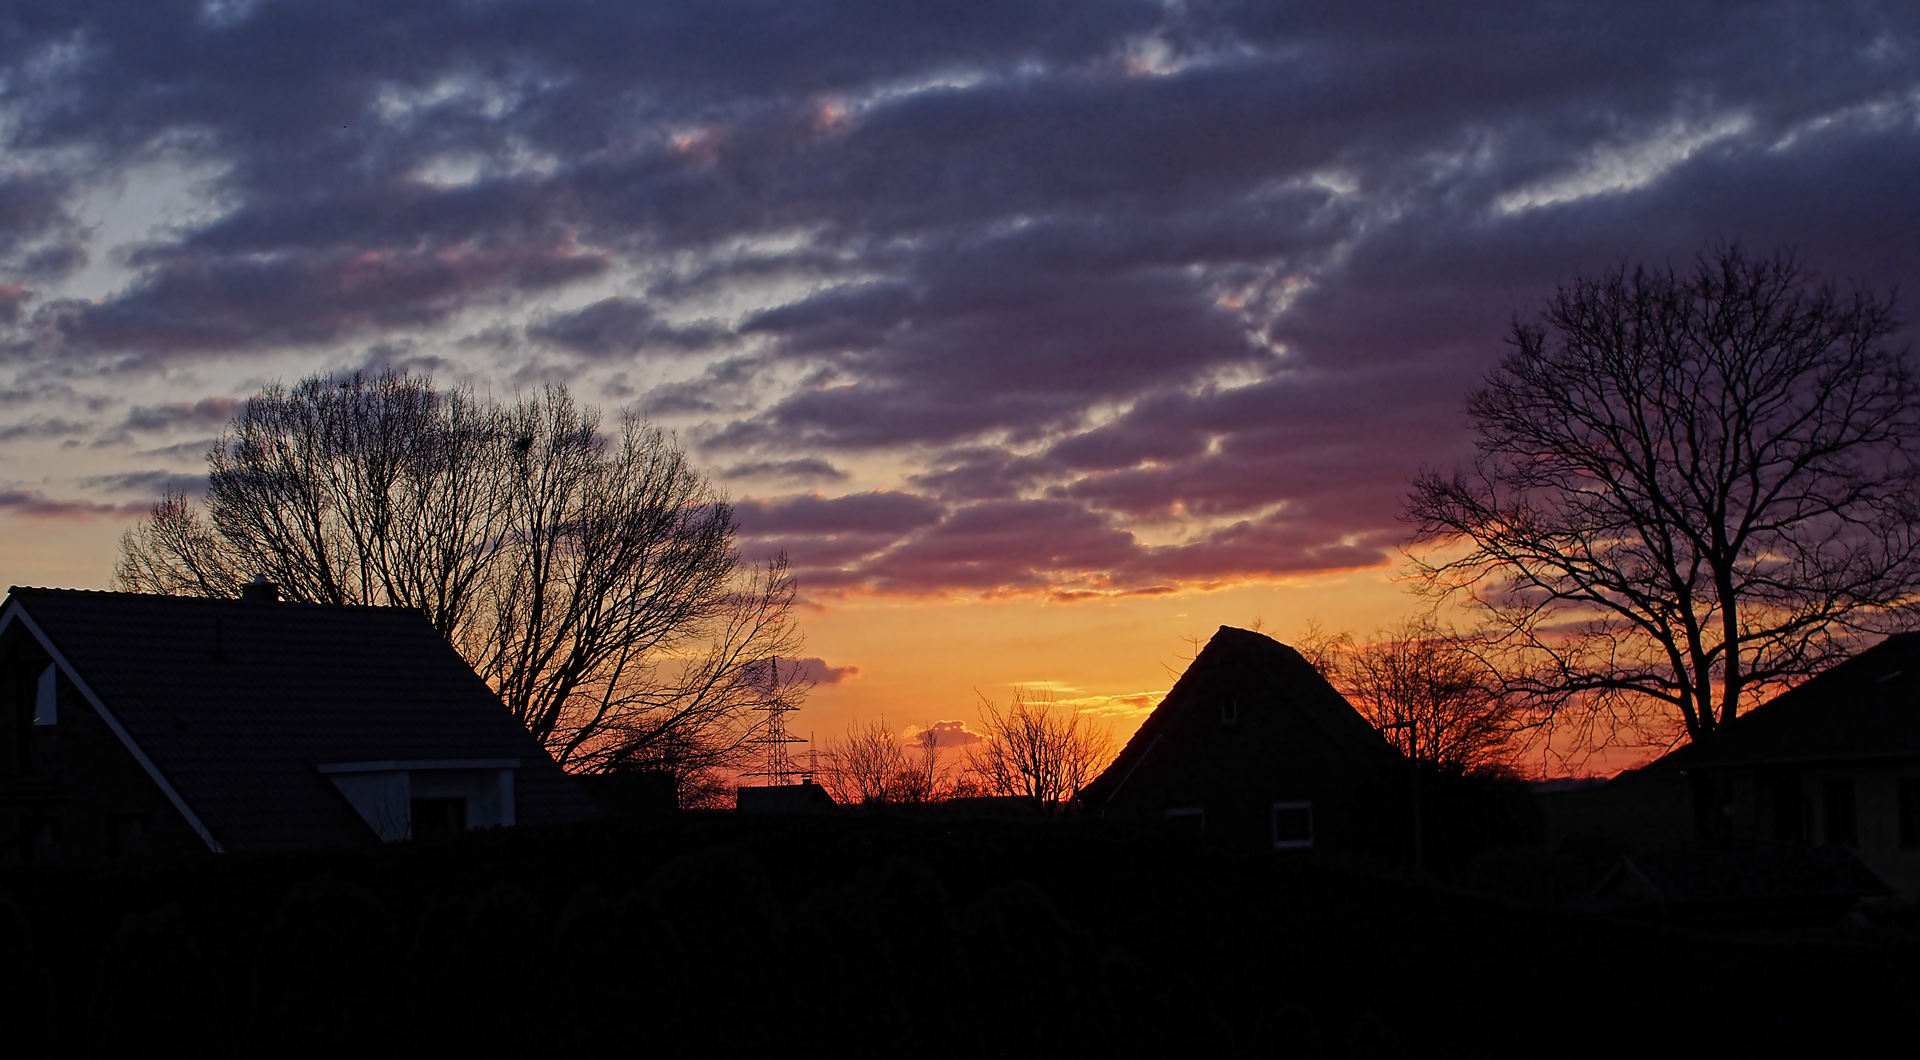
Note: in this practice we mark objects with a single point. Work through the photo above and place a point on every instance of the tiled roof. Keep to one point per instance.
(237, 704)
(1866, 707)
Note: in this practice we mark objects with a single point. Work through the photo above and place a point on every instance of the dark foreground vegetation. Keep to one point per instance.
(878, 935)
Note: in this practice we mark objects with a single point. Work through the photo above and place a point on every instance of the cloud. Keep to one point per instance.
(801, 470)
(39, 237)
(622, 327)
(193, 451)
(1126, 706)
(816, 670)
(199, 303)
(150, 483)
(1132, 296)
(41, 427)
(946, 734)
(207, 412)
(31, 504)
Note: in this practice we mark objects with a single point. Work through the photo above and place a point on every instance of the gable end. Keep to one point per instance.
(17, 612)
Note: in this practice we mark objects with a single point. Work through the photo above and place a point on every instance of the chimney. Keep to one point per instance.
(261, 591)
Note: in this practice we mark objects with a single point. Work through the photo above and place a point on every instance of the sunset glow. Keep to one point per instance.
(1043, 342)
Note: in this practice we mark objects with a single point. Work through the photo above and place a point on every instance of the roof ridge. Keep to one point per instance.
(30, 589)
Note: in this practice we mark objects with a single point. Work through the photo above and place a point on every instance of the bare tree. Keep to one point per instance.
(1323, 649)
(594, 583)
(921, 777)
(1430, 694)
(1689, 489)
(174, 552)
(864, 764)
(1037, 749)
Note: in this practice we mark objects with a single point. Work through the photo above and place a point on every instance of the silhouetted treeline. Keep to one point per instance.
(871, 935)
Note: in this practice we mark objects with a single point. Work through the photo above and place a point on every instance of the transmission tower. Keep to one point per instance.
(778, 766)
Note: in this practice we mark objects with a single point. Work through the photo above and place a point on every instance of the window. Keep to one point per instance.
(46, 697)
(1292, 825)
(441, 816)
(1789, 811)
(1910, 812)
(1230, 711)
(1187, 818)
(1837, 799)
(1713, 808)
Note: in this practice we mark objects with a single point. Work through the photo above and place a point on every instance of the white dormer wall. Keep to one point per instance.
(384, 799)
(383, 792)
(46, 697)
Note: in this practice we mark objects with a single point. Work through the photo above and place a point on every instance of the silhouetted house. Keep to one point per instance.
(1835, 761)
(1634, 810)
(154, 724)
(804, 797)
(1251, 744)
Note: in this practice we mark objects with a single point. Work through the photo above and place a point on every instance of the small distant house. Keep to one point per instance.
(1833, 762)
(135, 724)
(804, 797)
(1252, 744)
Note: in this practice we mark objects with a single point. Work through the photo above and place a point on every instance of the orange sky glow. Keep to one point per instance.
(913, 662)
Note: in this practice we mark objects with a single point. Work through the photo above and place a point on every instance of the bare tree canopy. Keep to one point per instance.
(1425, 689)
(593, 582)
(1037, 749)
(870, 766)
(1690, 489)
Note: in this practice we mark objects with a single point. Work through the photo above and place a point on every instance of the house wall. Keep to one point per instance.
(1876, 813)
(1789, 805)
(71, 792)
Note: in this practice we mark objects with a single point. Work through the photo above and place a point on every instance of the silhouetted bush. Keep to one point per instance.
(875, 935)
(1462, 816)
(324, 982)
(155, 986)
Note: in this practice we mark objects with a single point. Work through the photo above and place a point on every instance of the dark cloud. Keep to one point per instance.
(881, 511)
(39, 237)
(623, 327)
(799, 470)
(827, 538)
(191, 452)
(34, 505)
(896, 543)
(199, 303)
(41, 427)
(207, 412)
(151, 483)
(815, 669)
(945, 734)
(1004, 546)
(1134, 294)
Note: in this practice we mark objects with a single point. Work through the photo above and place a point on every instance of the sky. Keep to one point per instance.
(1044, 337)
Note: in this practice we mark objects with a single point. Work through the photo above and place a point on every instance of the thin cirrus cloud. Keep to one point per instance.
(32, 504)
(1126, 297)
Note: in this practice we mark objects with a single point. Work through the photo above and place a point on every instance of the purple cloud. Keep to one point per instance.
(1212, 276)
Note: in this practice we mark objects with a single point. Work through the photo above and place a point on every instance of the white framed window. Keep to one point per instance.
(1292, 825)
(46, 697)
(1187, 818)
